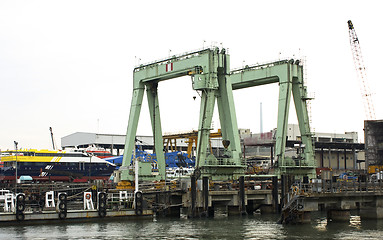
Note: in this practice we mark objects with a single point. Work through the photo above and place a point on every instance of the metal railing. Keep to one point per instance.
(221, 161)
(343, 186)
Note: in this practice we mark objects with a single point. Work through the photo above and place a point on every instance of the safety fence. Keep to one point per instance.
(339, 186)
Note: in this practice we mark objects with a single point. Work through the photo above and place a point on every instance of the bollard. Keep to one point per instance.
(62, 205)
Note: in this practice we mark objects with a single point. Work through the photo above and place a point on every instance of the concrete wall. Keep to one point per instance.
(335, 159)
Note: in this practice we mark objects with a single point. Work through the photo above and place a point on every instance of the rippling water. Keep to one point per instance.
(221, 227)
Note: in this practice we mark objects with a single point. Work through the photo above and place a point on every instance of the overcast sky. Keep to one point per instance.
(68, 64)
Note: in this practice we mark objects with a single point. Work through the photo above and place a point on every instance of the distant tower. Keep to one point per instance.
(261, 119)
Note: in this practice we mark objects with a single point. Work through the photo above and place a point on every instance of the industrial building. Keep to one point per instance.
(332, 150)
(373, 132)
(337, 151)
(115, 142)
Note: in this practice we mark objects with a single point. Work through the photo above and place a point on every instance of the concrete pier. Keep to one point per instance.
(202, 198)
(373, 209)
(77, 215)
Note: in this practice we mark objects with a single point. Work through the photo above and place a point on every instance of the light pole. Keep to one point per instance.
(16, 167)
(90, 165)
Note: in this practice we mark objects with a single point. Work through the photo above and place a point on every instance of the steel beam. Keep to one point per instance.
(154, 110)
(226, 109)
(135, 110)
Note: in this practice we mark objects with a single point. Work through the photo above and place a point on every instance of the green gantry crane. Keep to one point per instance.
(289, 75)
(210, 72)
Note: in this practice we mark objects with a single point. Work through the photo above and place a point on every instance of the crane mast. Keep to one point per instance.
(361, 72)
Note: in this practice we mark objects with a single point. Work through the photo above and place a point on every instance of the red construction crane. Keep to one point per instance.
(361, 72)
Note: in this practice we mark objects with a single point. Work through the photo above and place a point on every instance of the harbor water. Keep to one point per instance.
(220, 227)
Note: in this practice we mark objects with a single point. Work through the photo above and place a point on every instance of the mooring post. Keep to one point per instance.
(242, 194)
(275, 194)
(205, 185)
(193, 189)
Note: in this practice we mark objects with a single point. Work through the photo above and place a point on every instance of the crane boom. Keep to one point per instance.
(361, 72)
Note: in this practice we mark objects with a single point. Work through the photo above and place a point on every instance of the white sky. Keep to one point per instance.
(68, 64)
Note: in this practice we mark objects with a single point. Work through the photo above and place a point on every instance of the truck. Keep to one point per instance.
(347, 176)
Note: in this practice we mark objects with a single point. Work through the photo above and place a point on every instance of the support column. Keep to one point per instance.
(373, 210)
(174, 212)
(226, 109)
(267, 209)
(135, 109)
(233, 211)
(205, 186)
(250, 208)
(206, 114)
(283, 116)
(354, 158)
(337, 215)
(154, 109)
(193, 193)
(321, 158)
(345, 159)
(284, 190)
(210, 212)
(242, 195)
(275, 194)
(329, 157)
(299, 92)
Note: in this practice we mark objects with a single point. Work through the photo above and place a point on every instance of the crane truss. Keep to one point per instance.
(361, 72)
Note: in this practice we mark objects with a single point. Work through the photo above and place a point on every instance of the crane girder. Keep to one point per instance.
(173, 67)
(257, 75)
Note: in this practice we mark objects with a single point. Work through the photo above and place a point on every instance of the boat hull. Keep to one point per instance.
(58, 171)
